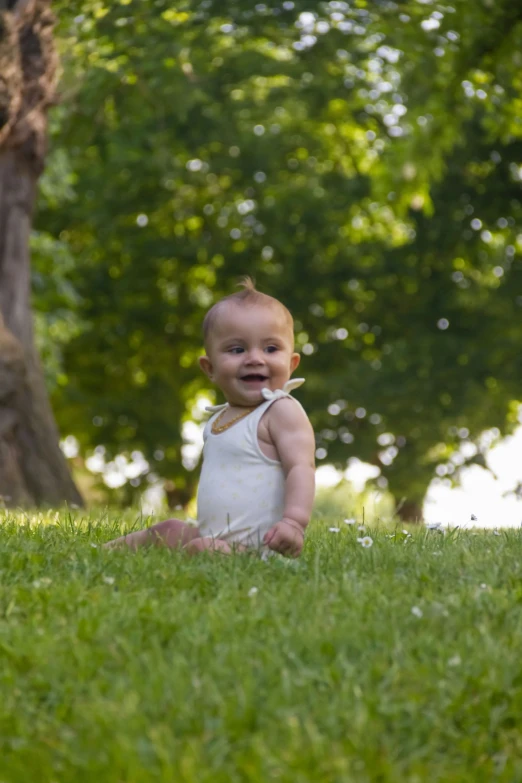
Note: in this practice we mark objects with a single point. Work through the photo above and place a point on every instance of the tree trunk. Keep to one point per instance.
(33, 470)
(409, 511)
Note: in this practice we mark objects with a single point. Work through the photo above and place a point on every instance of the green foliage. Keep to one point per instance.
(155, 667)
(362, 162)
(57, 319)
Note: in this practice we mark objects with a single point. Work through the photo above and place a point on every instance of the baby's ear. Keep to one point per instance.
(295, 360)
(206, 366)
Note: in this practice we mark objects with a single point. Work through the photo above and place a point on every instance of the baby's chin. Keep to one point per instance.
(254, 393)
(255, 397)
(245, 402)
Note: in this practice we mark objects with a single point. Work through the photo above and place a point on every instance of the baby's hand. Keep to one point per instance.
(285, 537)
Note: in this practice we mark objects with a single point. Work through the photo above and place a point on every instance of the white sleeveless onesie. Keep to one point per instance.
(241, 492)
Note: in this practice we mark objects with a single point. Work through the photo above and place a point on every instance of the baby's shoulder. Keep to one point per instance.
(285, 411)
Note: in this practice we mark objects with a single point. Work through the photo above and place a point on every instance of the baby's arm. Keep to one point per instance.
(293, 437)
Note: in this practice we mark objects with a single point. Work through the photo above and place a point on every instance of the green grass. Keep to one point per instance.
(155, 667)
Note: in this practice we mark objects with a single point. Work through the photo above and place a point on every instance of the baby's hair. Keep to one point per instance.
(249, 291)
(249, 295)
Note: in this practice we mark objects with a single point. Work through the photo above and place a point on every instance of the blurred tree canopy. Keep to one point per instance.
(361, 160)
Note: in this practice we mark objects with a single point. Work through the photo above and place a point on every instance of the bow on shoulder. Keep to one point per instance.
(289, 386)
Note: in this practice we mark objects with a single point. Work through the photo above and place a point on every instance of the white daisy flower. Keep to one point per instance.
(287, 563)
(433, 525)
(496, 532)
(417, 611)
(334, 529)
(252, 591)
(456, 660)
(365, 542)
(350, 521)
(43, 582)
(109, 580)
(94, 546)
(361, 528)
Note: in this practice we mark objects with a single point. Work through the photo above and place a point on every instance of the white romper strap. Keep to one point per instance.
(293, 383)
(268, 394)
(271, 397)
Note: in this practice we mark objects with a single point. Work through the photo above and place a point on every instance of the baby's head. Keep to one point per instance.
(249, 344)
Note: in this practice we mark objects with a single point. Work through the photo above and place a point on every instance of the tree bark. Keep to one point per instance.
(409, 511)
(33, 470)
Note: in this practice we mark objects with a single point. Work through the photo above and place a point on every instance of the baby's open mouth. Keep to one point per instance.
(254, 377)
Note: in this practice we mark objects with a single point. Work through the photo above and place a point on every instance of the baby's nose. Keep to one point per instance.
(255, 357)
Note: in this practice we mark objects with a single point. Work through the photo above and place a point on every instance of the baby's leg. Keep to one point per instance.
(171, 533)
(207, 543)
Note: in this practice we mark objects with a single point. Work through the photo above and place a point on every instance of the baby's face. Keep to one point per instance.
(250, 348)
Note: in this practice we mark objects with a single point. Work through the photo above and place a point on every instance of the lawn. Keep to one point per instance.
(400, 662)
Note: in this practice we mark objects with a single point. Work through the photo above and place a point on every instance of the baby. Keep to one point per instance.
(257, 482)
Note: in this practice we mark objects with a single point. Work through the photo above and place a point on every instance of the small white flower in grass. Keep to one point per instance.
(334, 529)
(433, 526)
(253, 591)
(94, 546)
(437, 554)
(109, 580)
(456, 660)
(361, 528)
(417, 611)
(496, 532)
(365, 542)
(483, 586)
(286, 563)
(43, 582)
(350, 521)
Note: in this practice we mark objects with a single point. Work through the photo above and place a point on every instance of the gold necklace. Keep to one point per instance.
(216, 429)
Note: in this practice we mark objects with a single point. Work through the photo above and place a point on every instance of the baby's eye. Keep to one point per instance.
(235, 349)
(272, 348)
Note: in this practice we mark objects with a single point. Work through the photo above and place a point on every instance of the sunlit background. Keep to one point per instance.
(485, 498)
